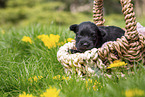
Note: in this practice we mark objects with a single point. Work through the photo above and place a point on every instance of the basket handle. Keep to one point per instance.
(98, 12)
(130, 20)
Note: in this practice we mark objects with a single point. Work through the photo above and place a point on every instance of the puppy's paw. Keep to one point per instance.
(72, 51)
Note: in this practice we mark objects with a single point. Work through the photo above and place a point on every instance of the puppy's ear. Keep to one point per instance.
(73, 27)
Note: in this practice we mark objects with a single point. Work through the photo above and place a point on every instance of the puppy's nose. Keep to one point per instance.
(85, 44)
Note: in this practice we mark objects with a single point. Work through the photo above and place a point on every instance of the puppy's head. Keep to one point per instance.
(88, 36)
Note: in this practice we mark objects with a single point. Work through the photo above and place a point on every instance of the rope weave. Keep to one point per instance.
(127, 9)
(98, 12)
(81, 63)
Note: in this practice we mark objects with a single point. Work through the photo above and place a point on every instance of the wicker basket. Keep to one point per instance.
(130, 47)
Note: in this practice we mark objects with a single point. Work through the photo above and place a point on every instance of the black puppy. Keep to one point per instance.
(89, 36)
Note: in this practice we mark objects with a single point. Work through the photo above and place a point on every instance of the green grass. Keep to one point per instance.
(20, 61)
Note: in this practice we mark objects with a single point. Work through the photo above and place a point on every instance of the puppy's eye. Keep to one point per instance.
(78, 36)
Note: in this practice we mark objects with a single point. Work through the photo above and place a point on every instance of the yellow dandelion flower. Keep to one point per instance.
(27, 39)
(42, 36)
(134, 92)
(65, 78)
(59, 77)
(64, 42)
(90, 80)
(55, 77)
(87, 83)
(69, 39)
(94, 85)
(51, 92)
(49, 41)
(87, 86)
(117, 63)
(35, 78)
(25, 95)
(54, 37)
(40, 77)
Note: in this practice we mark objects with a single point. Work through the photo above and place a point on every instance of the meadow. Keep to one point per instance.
(28, 57)
(29, 66)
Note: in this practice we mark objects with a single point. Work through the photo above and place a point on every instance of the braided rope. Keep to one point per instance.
(82, 63)
(127, 9)
(98, 12)
(135, 50)
(121, 49)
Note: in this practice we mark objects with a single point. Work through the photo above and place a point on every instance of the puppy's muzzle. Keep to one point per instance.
(83, 45)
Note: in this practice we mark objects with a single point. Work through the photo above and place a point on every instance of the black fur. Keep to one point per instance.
(89, 36)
